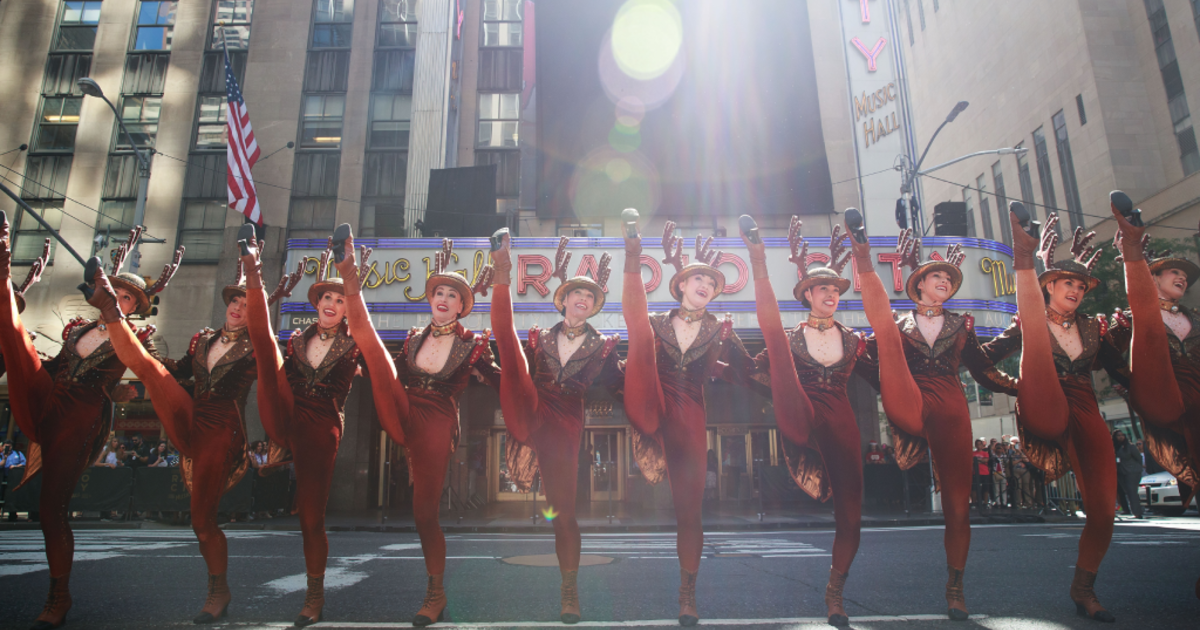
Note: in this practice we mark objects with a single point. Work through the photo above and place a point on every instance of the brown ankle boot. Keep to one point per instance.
(956, 603)
(570, 597)
(54, 615)
(217, 604)
(434, 604)
(314, 602)
(1084, 596)
(833, 598)
(687, 598)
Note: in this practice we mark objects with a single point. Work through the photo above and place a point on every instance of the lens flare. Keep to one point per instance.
(549, 513)
(646, 37)
(624, 139)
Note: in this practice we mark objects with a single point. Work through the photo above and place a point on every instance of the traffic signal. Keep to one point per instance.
(153, 306)
(950, 219)
(901, 214)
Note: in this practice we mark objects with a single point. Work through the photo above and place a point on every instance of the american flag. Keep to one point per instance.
(241, 152)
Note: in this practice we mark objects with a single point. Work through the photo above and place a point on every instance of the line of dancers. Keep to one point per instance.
(913, 359)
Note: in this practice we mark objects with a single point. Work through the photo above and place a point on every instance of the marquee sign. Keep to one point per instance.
(394, 286)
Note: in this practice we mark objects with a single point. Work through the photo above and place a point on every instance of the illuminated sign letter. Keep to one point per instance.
(872, 55)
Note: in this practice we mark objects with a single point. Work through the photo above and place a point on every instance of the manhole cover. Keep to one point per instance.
(551, 560)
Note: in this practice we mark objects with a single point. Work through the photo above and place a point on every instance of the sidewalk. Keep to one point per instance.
(517, 517)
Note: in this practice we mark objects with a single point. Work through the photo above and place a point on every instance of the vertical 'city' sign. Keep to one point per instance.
(875, 108)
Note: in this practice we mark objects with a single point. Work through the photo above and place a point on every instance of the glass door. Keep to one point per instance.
(607, 463)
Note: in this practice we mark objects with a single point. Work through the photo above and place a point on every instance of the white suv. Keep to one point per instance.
(1160, 491)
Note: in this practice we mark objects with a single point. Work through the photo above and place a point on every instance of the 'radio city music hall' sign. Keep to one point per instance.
(394, 284)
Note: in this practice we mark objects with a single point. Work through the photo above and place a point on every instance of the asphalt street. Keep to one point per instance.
(1017, 577)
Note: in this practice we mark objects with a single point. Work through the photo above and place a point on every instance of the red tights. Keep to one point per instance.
(1089, 446)
(838, 439)
(429, 433)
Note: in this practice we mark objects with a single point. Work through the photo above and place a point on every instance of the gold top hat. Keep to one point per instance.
(909, 249)
(35, 274)
(1080, 267)
(441, 277)
(598, 286)
(134, 283)
(324, 283)
(704, 263)
(831, 273)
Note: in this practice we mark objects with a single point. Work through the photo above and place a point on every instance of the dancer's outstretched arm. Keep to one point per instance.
(391, 400)
(793, 409)
(1153, 389)
(518, 395)
(274, 393)
(643, 392)
(901, 397)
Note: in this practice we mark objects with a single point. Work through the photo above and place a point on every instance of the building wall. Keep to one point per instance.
(1020, 62)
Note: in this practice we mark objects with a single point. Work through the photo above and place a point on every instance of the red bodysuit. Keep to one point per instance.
(835, 469)
(551, 421)
(673, 440)
(431, 426)
(944, 427)
(1086, 446)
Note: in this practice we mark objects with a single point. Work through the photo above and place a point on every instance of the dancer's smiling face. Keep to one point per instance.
(1172, 284)
(1066, 294)
(235, 313)
(331, 309)
(824, 299)
(576, 306)
(698, 290)
(446, 304)
(935, 288)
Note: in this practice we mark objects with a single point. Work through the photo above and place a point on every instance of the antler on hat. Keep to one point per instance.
(603, 272)
(909, 249)
(671, 242)
(1049, 241)
(36, 269)
(839, 253)
(122, 251)
(562, 258)
(168, 273)
(704, 251)
(798, 246)
(1081, 248)
(286, 283)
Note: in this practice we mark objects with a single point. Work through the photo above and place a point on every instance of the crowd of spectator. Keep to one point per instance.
(136, 454)
(1003, 477)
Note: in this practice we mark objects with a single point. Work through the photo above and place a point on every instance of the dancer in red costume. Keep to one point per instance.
(671, 356)
(206, 424)
(60, 405)
(417, 394)
(1082, 442)
(542, 388)
(1163, 338)
(808, 388)
(915, 360)
(301, 397)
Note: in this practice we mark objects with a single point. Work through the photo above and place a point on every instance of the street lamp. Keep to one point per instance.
(906, 187)
(90, 88)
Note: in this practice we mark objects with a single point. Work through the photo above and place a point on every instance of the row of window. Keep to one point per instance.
(1041, 154)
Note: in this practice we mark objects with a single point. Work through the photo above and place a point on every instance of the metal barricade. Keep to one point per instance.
(1062, 496)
